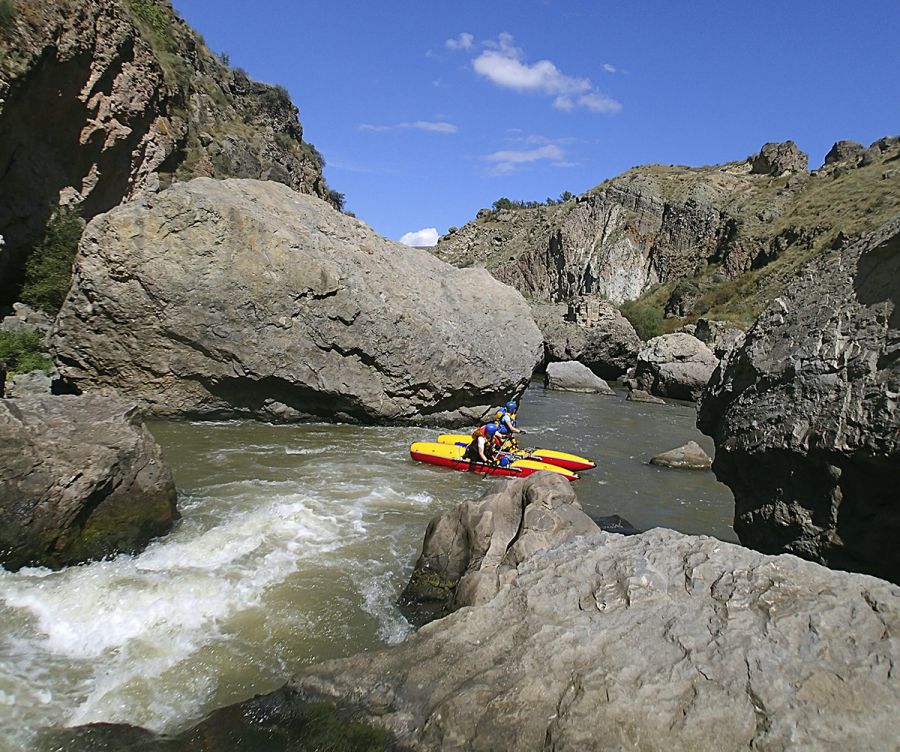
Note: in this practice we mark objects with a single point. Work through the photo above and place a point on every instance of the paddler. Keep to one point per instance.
(506, 418)
(485, 440)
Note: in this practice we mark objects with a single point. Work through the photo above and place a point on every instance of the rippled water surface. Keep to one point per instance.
(293, 545)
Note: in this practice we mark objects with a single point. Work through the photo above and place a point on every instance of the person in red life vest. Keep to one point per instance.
(485, 441)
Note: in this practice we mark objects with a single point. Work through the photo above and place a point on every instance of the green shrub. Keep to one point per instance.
(154, 16)
(23, 352)
(48, 271)
(336, 199)
(647, 321)
(7, 11)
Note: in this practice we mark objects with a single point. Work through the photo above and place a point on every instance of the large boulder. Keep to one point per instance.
(849, 152)
(689, 456)
(243, 298)
(778, 158)
(805, 414)
(675, 365)
(572, 376)
(609, 346)
(658, 641)
(471, 551)
(80, 478)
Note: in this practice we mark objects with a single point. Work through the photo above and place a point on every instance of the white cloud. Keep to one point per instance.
(427, 236)
(504, 64)
(507, 160)
(463, 42)
(609, 68)
(419, 125)
(597, 102)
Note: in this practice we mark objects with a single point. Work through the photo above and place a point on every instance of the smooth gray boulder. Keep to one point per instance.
(688, 457)
(805, 414)
(572, 376)
(81, 478)
(26, 319)
(608, 346)
(658, 641)
(33, 382)
(675, 365)
(243, 298)
(471, 551)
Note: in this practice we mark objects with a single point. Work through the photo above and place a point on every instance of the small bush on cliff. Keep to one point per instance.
(48, 271)
(7, 12)
(23, 352)
(154, 16)
(647, 321)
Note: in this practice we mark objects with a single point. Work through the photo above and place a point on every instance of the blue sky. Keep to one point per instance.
(426, 112)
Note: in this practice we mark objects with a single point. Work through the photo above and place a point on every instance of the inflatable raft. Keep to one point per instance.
(548, 456)
(451, 455)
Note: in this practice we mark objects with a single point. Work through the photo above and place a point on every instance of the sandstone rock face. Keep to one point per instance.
(776, 159)
(609, 348)
(675, 365)
(244, 298)
(668, 223)
(805, 415)
(571, 376)
(80, 478)
(688, 457)
(658, 641)
(473, 550)
(105, 100)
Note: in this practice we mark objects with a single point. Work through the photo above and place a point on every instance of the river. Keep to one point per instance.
(293, 545)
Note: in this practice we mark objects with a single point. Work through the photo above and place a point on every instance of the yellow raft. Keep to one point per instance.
(451, 455)
(547, 456)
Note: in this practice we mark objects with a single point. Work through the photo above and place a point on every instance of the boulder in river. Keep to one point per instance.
(572, 376)
(657, 641)
(81, 478)
(243, 298)
(806, 418)
(639, 395)
(675, 365)
(471, 551)
(604, 340)
(688, 457)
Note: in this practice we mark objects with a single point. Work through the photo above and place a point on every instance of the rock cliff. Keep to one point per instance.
(105, 100)
(737, 232)
(805, 414)
(224, 298)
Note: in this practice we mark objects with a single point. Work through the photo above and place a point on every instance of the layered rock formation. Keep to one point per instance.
(609, 347)
(244, 298)
(805, 414)
(659, 224)
(675, 365)
(105, 100)
(80, 478)
(658, 641)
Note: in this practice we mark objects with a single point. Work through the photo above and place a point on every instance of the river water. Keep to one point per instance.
(293, 546)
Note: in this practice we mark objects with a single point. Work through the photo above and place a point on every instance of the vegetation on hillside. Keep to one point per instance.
(48, 271)
(22, 352)
(646, 320)
(506, 204)
(7, 11)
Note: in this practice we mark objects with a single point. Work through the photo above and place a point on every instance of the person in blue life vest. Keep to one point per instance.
(505, 417)
(485, 441)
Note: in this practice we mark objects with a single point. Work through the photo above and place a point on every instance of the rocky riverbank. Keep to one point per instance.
(574, 639)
